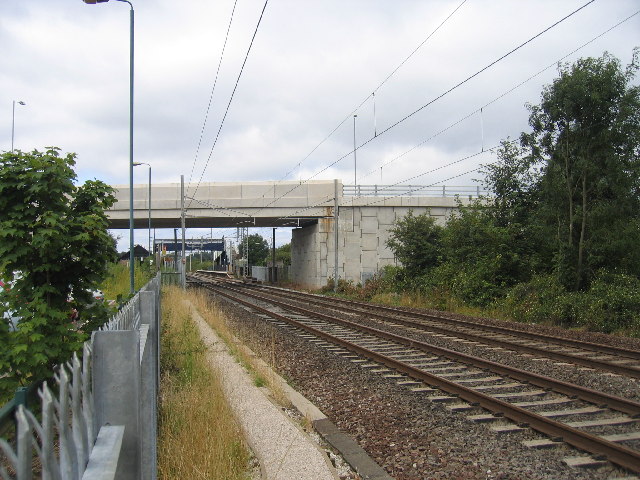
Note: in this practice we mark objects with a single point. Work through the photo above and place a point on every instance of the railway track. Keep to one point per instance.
(604, 425)
(607, 358)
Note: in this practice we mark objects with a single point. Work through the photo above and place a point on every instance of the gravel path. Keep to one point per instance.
(410, 437)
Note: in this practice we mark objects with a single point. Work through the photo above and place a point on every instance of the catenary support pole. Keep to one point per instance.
(274, 276)
(183, 260)
(336, 207)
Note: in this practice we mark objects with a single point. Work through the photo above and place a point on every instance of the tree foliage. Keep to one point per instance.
(258, 249)
(283, 254)
(560, 230)
(415, 241)
(55, 246)
(586, 137)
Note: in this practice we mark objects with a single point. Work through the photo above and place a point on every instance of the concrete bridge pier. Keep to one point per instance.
(364, 225)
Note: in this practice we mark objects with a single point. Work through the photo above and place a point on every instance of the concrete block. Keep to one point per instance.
(346, 214)
(440, 220)
(383, 262)
(320, 188)
(369, 241)
(254, 190)
(323, 250)
(369, 225)
(352, 252)
(401, 212)
(369, 211)
(357, 216)
(386, 216)
(369, 261)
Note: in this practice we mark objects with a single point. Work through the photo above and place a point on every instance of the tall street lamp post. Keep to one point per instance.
(131, 253)
(136, 164)
(355, 170)
(13, 120)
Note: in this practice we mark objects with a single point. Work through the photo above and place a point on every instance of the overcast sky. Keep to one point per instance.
(313, 63)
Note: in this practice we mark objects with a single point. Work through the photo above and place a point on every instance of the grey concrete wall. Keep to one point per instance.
(363, 232)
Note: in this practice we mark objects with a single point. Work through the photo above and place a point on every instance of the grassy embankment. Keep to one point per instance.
(198, 436)
(117, 281)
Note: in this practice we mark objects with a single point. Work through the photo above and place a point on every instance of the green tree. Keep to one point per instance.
(283, 254)
(515, 203)
(258, 249)
(55, 245)
(415, 241)
(514, 184)
(586, 137)
(481, 259)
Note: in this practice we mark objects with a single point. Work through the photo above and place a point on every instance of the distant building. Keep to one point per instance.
(139, 253)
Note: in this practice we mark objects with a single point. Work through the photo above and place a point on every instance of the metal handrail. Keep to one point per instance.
(414, 190)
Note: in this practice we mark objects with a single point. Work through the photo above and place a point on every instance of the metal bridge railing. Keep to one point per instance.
(472, 191)
(101, 422)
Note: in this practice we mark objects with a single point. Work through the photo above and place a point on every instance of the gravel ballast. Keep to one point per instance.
(411, 437)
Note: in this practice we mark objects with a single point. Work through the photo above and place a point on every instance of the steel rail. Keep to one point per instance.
(599, 398)
(565, 357)
(622, 456)
(595, 347)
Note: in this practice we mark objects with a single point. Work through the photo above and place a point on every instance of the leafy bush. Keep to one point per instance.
(541, 300)
(611, 304)
(614, 303)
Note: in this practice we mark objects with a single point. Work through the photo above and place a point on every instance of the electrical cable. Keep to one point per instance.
(299, 164)
(418, 188)
(470, 77)
(459, 84)
(213, 88)
(230, 100)
(350, 115)
(504, 94)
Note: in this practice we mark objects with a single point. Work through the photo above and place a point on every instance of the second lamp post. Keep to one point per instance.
(131, 253)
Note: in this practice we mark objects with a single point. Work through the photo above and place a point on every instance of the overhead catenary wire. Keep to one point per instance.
(230, 100)
(213, 88)
(418, 188)
(503, 143)
(432, 101)
(387, 78)
(496, 99)
(372, 95)
(502, 95)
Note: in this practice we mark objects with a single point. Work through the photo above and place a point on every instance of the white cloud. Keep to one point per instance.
(312, 63)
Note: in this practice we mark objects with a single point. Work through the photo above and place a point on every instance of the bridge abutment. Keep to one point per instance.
(364, 230)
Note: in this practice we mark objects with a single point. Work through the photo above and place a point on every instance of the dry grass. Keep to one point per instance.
(198, 435)
(117, 280)
(262, 374)
(444, 303)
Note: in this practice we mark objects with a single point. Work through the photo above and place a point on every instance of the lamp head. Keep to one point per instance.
(21, 103)
(93, 2)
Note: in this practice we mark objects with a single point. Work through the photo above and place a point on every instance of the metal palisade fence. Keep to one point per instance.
(101, 421)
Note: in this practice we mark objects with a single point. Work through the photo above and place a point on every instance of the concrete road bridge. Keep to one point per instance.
(364, 214)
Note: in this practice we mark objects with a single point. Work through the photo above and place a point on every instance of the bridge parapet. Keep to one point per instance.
(226, 204)
(273, 204)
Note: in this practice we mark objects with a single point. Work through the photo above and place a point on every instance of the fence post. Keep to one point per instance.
(19, 398)
(116, 390)
(149, 386)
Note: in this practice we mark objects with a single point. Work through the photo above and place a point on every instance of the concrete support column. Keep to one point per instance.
(116, 390)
